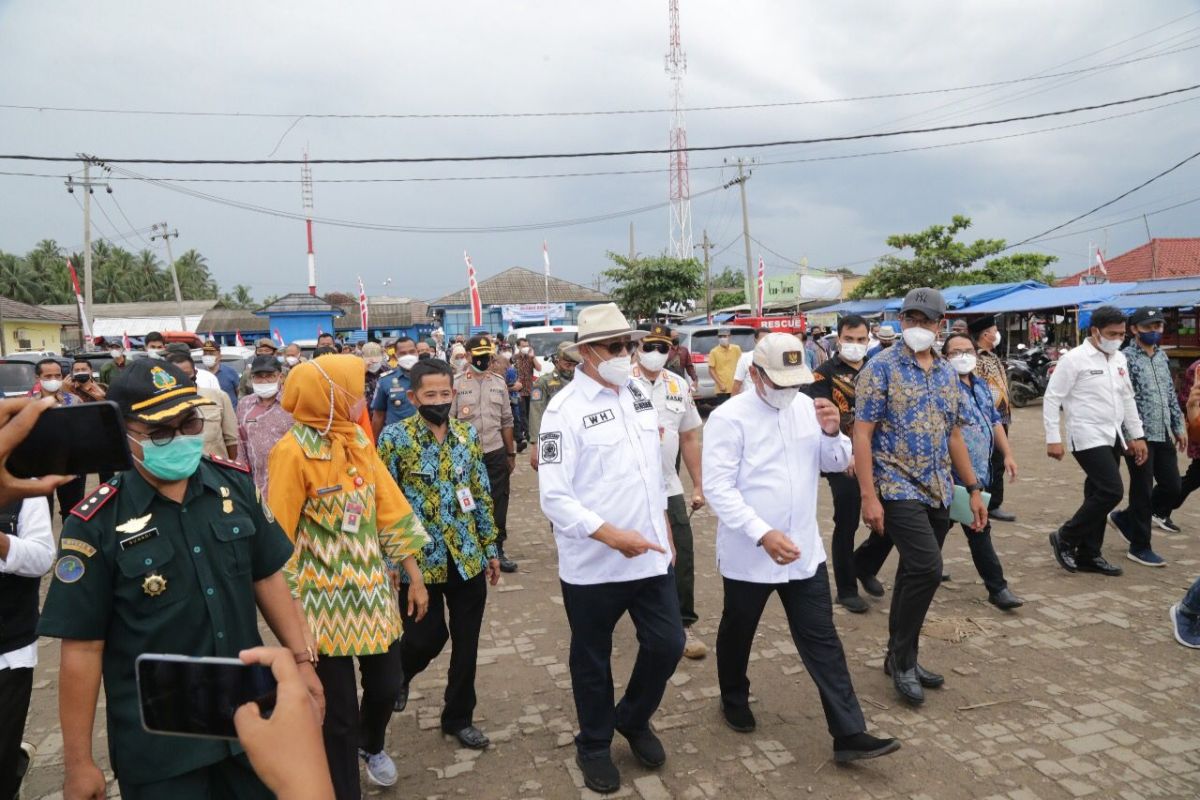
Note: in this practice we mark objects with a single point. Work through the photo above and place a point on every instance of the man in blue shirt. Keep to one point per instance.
(227, 376)
(906, 436)
(390, 403)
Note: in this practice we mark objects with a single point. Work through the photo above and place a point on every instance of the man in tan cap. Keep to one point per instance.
(544, 390)
(764, 452)
(601, 483)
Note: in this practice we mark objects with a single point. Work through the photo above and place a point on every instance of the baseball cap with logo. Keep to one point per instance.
(781, 357)
(154, 391)
(1145, 316)
(925, 300)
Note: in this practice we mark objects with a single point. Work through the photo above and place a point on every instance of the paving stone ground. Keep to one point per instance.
(1081, 693)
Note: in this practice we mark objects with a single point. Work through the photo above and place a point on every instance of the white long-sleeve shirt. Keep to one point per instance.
(30, 555)
(1096, 392)
(599, 461)
(761, 469)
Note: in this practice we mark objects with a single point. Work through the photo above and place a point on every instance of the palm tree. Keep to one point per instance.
(151, 281)
(17, 280)
(195, 281)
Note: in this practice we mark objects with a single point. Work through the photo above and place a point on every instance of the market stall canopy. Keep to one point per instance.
(1052, 297)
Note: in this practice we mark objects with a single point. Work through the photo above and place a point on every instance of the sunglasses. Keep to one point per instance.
(191, 426)
(650, 347)
(616, 348)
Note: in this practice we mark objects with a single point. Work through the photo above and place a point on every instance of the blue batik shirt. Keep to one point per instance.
(1154, 393)
(979, 414)
(914, 411)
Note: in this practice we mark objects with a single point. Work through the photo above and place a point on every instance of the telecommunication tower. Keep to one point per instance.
(681, 193)
(306, 196)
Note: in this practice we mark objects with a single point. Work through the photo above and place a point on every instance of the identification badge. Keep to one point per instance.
(465, 500)
(352, 518)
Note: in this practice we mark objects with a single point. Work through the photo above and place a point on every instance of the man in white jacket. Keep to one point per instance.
(764, 452)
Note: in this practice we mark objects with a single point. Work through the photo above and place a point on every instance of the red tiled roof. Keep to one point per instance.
(1157, 258)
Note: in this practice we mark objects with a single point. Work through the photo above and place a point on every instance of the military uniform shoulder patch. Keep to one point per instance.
(550, 448)
(225, 462)
(69, 569)
(87, 508)
(536, 394)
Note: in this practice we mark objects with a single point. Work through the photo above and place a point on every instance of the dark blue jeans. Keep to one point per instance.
(593, 612)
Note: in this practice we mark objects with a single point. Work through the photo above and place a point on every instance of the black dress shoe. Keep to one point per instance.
(854, 604)
(469, 736)
(402, 698)
(908, 686)
(646, 747)
(871, 585)
(860, 746)
(1098, 564)
(740, 718)
(930, 680)
(1005, 600)
(945, 577)
(1002, 515)
(506, 563)
(600, 774)
(1064, 557)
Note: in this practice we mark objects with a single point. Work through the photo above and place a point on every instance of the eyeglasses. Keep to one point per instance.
(917, 318)
(192, 425)
(617, 348)
(650, 347)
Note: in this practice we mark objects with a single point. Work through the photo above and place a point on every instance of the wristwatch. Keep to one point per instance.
(306, 656)
(974, 487)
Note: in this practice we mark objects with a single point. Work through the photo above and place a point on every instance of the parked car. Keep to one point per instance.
(700, 340)
(544, 339)
(34, 356)
(16, 377)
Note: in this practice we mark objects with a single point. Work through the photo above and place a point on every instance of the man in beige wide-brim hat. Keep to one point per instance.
(601, 485)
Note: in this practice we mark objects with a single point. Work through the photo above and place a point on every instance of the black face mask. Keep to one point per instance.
(481, 363)
(436, 414)
(424, 356)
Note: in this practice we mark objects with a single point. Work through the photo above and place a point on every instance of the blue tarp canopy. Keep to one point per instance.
(961, 298)
(857, 307)
(1130, 301)
(1052, 297)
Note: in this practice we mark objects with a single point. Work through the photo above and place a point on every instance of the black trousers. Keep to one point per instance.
(422, 641)
(685, 558)
(918, 531)
(1154, 485)
(593, 612)
(810, 617)
(498, 475)
(1189, 484)
(525, 416)
(349, 725)
(232, 777)
(1102, 491)
(847, 511)
(997, 487)
(987, 562)
(16, 688)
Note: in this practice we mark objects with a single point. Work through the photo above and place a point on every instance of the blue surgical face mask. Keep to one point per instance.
(1150, 337)
(175, 460)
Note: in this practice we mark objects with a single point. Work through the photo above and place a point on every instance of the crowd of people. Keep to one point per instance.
(358, 501)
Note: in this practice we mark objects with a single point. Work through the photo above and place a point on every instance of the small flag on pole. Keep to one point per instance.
(362, 303)
(1100, 262)
(473, 286)
(84, 322)
(761, 285)
(125, 341)
(546, 258)
(279, 338)
(238, 338)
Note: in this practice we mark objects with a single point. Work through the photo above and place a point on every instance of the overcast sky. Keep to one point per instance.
(310, 57)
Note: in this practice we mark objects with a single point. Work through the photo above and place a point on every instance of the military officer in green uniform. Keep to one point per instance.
(544, 390)
(172, 556)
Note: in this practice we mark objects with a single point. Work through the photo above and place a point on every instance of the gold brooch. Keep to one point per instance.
(154, 584)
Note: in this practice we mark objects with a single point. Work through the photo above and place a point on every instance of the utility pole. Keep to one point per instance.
(707, 246)
(751, 280)
(632, 248)
(161, 231)
(87, 184)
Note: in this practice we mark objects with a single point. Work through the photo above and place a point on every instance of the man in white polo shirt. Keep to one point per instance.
(764, 452)
(601, 483)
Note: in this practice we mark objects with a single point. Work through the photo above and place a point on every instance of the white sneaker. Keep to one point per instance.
(692, 647)
(381, 770)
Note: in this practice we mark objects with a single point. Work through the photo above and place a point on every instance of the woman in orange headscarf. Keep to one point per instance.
(353, 528)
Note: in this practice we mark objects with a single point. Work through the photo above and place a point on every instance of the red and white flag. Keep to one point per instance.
(473, 286)
(362, 303)
(238, 338)
(546, 256)
(1100, 262)
(762, 277)
(83, 319)
(279, 338)
(125, 342)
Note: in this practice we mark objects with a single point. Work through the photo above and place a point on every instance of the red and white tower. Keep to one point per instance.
(306, 195)
(681, 193)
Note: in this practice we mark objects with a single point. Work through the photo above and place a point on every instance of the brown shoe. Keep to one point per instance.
(693, 648)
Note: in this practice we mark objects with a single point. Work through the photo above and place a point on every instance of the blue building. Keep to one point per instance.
(515, 298)
(300, 316)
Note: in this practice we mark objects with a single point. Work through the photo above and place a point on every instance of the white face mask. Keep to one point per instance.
(51, 386)
(117, 353)
(919, 339)
(998, 337)
(460, 364)
(373, 364)
(778, 399)
(154, 353)
(1107, 346)
(852, 351)
(407, 362)
(964, 363)
(209, 361)
(266, 390)
(653, 361)
(616, 370)
(292, 360)
(524, 351)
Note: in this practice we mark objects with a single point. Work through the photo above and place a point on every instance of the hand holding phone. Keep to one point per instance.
(18, 416)
(198, 696)
(73, 440)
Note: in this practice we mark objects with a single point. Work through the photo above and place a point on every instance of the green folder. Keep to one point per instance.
(960, 507)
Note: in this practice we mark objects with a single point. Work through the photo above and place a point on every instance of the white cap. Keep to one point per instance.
(781, 357)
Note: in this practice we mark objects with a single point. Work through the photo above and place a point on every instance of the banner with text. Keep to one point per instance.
(533, 312)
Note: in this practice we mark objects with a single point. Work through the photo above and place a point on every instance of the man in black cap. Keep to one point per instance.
(990, 368)
(172, 556)
(1155, 482)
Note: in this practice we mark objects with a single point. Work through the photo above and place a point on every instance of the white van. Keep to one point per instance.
(544, 339)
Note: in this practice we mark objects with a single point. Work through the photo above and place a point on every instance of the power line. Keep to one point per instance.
(606, 153)
(591, 113)
(133, 228)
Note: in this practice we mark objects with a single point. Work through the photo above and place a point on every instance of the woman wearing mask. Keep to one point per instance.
(261, 420)
(458, 359)
(353, 529)
(983, 432)
(372, 354)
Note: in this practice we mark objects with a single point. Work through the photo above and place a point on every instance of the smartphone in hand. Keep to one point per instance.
(197, 696)
(78, 439)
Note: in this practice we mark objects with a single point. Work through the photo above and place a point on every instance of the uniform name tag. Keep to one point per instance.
(592, 420)
(642, 405)
(1095, 372)
(138, 538)
(329, 490)
(352, 518)
(465, 500)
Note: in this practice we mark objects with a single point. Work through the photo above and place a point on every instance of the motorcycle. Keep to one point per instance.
(1028, 373)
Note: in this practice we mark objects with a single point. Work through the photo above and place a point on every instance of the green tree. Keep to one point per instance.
(644, 285)
(729, 278)
(17, 280)
(939, 260)
(240, 297)
(195, 281)
(729, 298)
